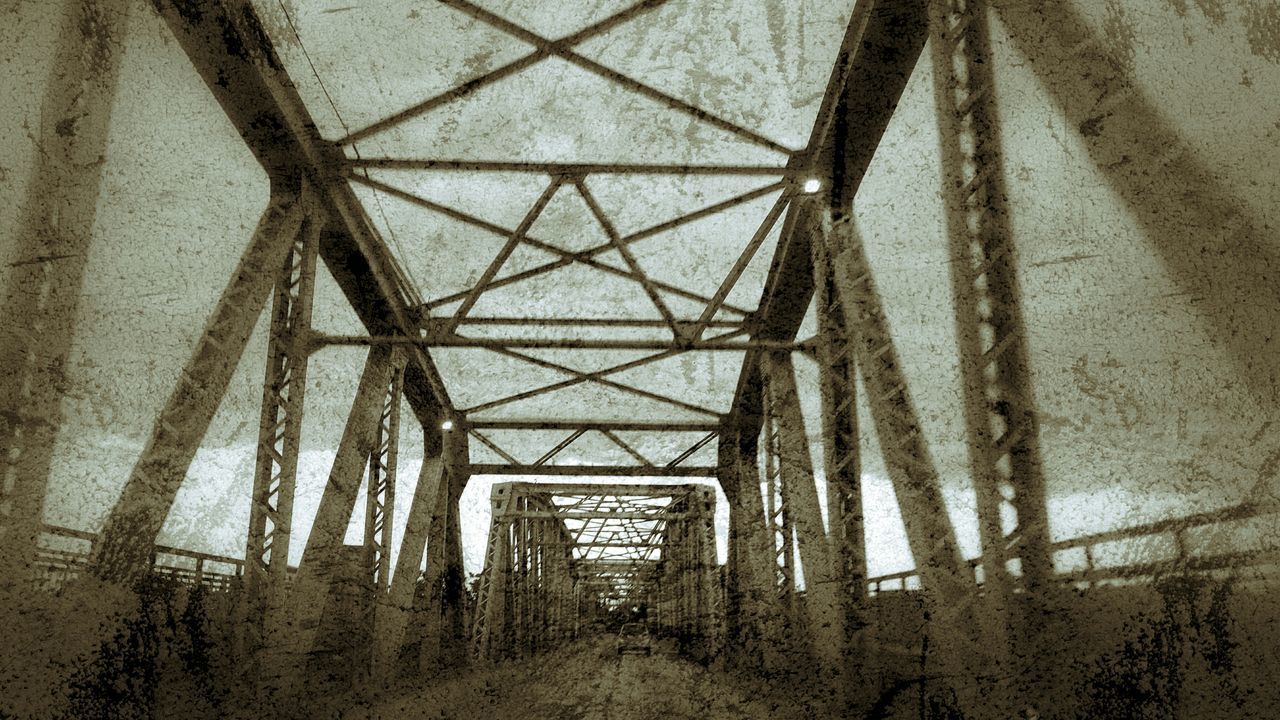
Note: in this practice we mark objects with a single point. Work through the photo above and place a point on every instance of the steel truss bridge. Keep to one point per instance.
(558, 550)
(794, 590)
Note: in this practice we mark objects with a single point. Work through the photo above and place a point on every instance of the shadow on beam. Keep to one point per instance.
(1212, 244)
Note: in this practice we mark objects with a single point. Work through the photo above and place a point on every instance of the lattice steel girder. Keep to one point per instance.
(950, 594)
(311, 583)
(800, 495)
(617, 490)
(1003, 432)
(491, 595)
(44, 273)
(123, 551)
(444, 639)
(591, 425)
(279, 437)
(381, 490)
(393, 621)
(532, 570)
(598, 515)
(380, 497)
(761, 612)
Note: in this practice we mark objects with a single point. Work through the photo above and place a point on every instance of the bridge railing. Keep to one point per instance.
(63, 555)
(1244, 535)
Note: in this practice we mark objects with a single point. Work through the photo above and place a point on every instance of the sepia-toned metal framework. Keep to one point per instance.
(554, 547)
(794, 590)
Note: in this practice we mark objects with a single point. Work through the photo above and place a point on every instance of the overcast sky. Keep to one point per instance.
(1153, 364)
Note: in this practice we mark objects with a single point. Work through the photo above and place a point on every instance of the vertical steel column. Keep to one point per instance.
(1004, 442)
(761, 597)
(430, 650)
(122, 553)
(454, 640)
(711, 607)
(287, 653)
(520, 578)
(45, 272)
(842, 463)
(279, 439)
(956, 639)
(800, 496)
(391, 628)
(380, 496)
(490, 610)
(776, 517)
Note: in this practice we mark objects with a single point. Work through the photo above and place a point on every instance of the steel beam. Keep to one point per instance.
(310, 587)
(442, 578)
(381, 490)
(380, 498)
(320, 340)
(880, 48)
(454, 600)
(597, 515)
(602, 489)
(575, 170)
(602, 426)
(1003, 432)
(279, 438)
(491, 596)
(566, 53)
(950, 594)
(391, 628)
(46, 266)
(842, 465)
(590, 470)
(822, 602)
(230, 49)
(470, 86)
(123, 551)
(761, 613)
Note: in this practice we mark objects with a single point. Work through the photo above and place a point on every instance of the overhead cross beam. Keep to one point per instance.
(565, 169)
(566, 257)
(565, 52)
(541, 53)
(458, 341)
(581, 377)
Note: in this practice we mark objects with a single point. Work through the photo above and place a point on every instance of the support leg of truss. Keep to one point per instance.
(489, 626)
(950, 593)
(123, 551)
(286, 658)
(842, 462)
(455, 638)
(391, 628)
(380, 501)
(279, 442)
(761, 612)
(45, 272)
(822, 602)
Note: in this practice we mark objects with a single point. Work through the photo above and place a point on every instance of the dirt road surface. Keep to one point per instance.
(590, 682)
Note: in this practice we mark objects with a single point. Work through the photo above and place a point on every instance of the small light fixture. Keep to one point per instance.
(812, 185)
(446, 425)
